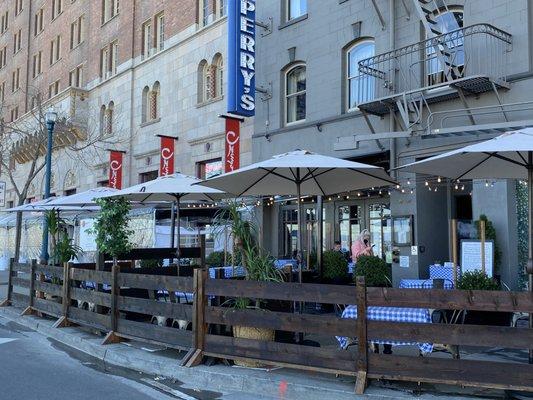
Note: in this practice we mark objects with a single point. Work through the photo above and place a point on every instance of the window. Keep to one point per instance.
(15, 80)
(203, 82)
(55, 50)
(447, 22)
(14, 113)
(203, 12)
(3, 57)
(350, 224)
(75, 77)
(145, 99)
(218, 72)
(38, 25)
(37, 64)
(4, 22)
(109, 9)
(295, 8)
(108, 60)
(57, 8)
(147, 39)
(148, 176)
(53, 89)
(2, 91)
(76, 32)
(221, 8)
(160, 33)
(209, 169)
(295, 94)
(154, 102)
(17, 41)
(360, 87)
(18, 7)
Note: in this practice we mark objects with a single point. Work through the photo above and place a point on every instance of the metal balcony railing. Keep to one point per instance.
(478, 52)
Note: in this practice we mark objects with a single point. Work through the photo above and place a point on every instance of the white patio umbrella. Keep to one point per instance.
(83, 199)
(171, 188)
(300, 173)
(509, 156)
(45, 205)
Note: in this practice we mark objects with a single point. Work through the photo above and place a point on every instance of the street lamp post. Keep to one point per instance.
(51, 117)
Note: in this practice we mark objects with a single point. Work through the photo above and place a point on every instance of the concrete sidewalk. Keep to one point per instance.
(280, 383)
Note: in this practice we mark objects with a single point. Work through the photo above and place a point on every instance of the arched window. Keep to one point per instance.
(360, 88)
(109, 118)
(145, 95)
(203, 12)
(447, 21)
(154, 101)
(218, 73)
(203, 73)
(295, 94)
(102, 120)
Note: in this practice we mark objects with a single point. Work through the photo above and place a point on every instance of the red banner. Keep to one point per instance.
(233, 138)
(115, 169)
(166, 164)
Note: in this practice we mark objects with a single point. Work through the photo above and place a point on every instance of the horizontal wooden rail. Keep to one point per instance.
(91, 296)
(171, 337)
(20, 299)
(89, 318)
(282, 354)
(20, 267)
(56, 272)
(487, 374)
(48, 307)
(158, 308)
(20, 282)
(91, 276)
(307, 292)
(49, 288)
(290, 322)
(452, 299)
(466, 335)
(155, 282)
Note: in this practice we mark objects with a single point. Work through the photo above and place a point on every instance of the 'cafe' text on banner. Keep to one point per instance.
(166, 164)
(241, 57)
(115, 169)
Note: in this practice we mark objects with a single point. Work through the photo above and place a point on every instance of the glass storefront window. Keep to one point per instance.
(381, 230)
(350, 225)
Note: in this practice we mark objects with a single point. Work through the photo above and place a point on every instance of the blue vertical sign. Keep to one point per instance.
(241, 57)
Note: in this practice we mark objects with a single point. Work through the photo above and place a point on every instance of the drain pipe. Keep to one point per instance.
(392, 124)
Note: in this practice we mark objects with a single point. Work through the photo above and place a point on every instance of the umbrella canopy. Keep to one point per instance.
(506, 156)
(82, 199)
(168, 188)
(300, 173)
(316, 174)
(171, 188)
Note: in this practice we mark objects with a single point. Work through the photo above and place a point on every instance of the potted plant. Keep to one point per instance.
(335, 267)
(215, 259)
(111, 227)
(375, 270)
(478, 280)
(259, 266)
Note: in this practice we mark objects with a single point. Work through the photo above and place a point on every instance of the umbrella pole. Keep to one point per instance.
(530, 231)
(178, 238)
(300, 252)
(172, 224)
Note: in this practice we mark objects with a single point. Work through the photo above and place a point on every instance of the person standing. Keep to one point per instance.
(362, 247)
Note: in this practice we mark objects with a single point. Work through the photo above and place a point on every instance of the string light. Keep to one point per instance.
(439, 179)
(426, 183)
(408, 181)
(486, 183)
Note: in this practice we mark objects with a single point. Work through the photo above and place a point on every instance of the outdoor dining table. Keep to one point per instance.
(391, 314)
(423, 284)
(437, 271)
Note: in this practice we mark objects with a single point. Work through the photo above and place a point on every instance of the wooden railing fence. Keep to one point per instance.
(128, 298)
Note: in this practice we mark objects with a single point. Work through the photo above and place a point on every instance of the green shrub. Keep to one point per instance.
(335, 265)
(476, 280)
(375, 270)
(151, 263)
(215, 259)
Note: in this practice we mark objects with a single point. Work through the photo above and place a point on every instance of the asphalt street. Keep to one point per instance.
(34, 367)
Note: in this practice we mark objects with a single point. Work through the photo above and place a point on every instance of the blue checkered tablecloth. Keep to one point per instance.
(422, 284)
(392, 314)
(93, 285)
(442, 272)
(229, 272)
(351, 268)
(182, 297)
(279, 264)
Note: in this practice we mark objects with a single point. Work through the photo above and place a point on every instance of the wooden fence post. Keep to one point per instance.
(7, 301)
(63, 321)
(112, 336)
(362, 355)
(199, 329)
(30, 310)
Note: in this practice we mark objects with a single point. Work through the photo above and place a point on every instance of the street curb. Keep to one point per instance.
(215, 378)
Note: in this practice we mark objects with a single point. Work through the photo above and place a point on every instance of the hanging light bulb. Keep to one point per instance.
(426, 183)
(403, 190)
(439, 179)
(486, 183)
(412, 191)
(380, 192)
(436, 188)
(429, 188)
(456, 186)
(389, 193)
(397, 186)
(408, 181)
